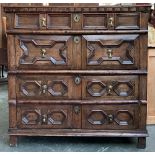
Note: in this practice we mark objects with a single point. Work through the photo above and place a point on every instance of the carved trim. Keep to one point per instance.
(51, 44)
(122, 8)
(128, 60)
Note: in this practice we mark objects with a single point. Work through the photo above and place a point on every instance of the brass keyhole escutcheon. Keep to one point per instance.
(43, 22)
(77, 80)
(109, 53)
(109, 89)
(76, 18)
(77, 109)
(43, 52)
(111, 22)
(76, 39)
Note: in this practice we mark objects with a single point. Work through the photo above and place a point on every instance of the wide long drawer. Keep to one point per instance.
(68, 21)
(51, 87)
(89, 116)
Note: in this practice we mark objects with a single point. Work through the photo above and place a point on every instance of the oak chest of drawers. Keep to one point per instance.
(77, 71)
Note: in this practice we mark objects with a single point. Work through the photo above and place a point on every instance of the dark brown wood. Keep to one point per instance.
(77, 70)
(141, 144)
(13, 140)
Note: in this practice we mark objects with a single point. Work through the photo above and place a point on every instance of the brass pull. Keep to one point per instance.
(111, 22)
(77, 80)
(77, 109)
(43, 52)
(43, 22)
(76, 40)
(76, 18)
(109, 53)
(44, 118)
(109, 90)
(44, 88)
(110, 118)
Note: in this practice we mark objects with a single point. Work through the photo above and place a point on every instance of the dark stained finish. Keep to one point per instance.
(77, 70)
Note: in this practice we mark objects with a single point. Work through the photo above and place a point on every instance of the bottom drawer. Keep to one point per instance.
(110, 117)
(44, 116)
(85, 116)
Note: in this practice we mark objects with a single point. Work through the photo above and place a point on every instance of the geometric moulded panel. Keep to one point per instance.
(31, 117)
(56, 117)
(97, 117)
(31, 88)
(58, 88)
(123, 117)
(96, 88)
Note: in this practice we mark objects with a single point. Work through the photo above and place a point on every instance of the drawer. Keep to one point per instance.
(110, 117)
(110, 87)
(110, 51)
(44, 52)
(124, 21)
(68, 21)
(47, 87)
(27, 21)
(43, 116)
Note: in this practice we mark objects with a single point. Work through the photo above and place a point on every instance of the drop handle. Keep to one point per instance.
(43, 52)
(43, 22)
(44, 88)
(110, 118)
(109, 89)
(109, 53)
(77, 80)
(111, 22)
(77, 109)
(44, 118)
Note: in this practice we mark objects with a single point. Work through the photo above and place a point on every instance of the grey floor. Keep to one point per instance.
(63, 144)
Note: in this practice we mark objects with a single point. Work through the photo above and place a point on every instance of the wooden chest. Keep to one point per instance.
(77, 71)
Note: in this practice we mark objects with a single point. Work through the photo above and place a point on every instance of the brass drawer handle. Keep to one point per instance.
(44, 118)
(110, 118)
(76, 18)
(109, 89)
(77, 80)
(44, 88)
(111, 22)
(77, 109)
(76, 40)
(43, 22)
(109, 53)
(43, 52)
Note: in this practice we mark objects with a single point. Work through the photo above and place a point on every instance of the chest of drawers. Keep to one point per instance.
(77, 71)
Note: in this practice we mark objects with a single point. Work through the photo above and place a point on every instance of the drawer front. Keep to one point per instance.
(68, 21)
(44, 52)
(110, 117)
(28, 20)
(59, 21)
(110, 87)
(127, 21)
(95, 21)
(110, 51)
(43, 116)
(46, 87)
